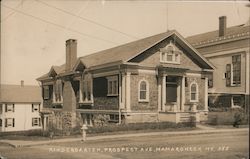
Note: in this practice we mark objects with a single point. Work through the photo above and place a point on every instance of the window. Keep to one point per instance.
(9, 107)
(46, 92)
(36, 122)
(236, 66)
(86, 88)
(143, 91)
(228, 75)
(169, 54)
(233, 72)
(194, 92)
(1, 122)
(112, 85)
(35, 107)
(210, 80)
(236, 101)
(58, 90)
(113, 118)
(10, 122)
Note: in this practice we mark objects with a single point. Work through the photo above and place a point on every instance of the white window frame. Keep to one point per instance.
(232, 71)
(10, 122)
(35, 107)
(36, 122)
(175, 54)
(113, 80)
(197, 92)
(10, 107)
(139, 91)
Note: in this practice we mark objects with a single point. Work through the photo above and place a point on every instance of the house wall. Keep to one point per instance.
(224, 46)
(101, 100)
(154, 58)
(152, 104)
(219, 80)
(201, 92)
(23, 117)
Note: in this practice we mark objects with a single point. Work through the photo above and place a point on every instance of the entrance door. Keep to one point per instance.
(171, 89)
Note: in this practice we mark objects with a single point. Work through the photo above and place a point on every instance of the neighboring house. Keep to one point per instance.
(158, 78)
(19, 108)
(228, 50)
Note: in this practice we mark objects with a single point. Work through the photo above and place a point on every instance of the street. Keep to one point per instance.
(228, 145)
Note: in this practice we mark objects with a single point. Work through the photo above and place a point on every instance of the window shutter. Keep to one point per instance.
(32, 108)
(6, 124)
(13, 110)
(228, 72)
(13, 122)
(5, 107)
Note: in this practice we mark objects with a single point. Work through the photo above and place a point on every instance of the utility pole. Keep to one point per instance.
(0, 49)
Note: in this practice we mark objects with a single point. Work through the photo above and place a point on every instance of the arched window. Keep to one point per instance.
(143, 91)
(193, 92)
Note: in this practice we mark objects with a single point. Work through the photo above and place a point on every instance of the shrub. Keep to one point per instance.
(137, 126)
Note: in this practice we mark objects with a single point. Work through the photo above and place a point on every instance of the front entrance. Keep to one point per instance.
(171, 91)
(173, 94)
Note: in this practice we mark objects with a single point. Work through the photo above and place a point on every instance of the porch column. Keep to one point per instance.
(159, 93)
(183, 93)
(163, 107)
(121, 105)
(206, 94)
(123, 90)
(91, 90)
(54, 93)
(45, 121)
(128, 91)
(80, 91)
(178, 103)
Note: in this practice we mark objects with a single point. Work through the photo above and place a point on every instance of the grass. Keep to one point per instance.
(105, 130)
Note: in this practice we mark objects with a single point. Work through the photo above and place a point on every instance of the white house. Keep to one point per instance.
(19, 108)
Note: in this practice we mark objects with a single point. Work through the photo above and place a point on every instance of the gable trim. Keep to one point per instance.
(204, 62)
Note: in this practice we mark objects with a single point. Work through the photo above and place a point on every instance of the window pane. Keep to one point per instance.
(193, 88)
(169, 57)
(193, 96)
(142, 94)
(143, 86)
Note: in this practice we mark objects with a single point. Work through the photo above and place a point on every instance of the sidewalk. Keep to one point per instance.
(205, 130)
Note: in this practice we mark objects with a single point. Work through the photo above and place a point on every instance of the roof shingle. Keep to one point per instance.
(20, 94)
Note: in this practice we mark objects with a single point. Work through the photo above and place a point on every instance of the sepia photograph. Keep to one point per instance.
(124, 79)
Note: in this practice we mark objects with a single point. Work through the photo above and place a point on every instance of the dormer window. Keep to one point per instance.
(170, 54)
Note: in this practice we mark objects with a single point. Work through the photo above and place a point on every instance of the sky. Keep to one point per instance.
(33, 32)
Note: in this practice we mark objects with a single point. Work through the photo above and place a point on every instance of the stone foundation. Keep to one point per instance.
(141, 117)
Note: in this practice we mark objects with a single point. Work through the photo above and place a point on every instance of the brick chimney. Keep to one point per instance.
(222, 25)
(71, 53)
(22, 83)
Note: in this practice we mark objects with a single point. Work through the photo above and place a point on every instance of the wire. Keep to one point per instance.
(12, 13)
(88, 20)
(60, 26)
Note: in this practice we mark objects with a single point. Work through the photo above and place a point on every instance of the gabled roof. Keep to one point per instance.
(123, 52)
(130, 50)
(213, 36)
(20, 94)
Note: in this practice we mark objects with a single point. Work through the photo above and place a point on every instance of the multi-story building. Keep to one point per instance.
(19, 108)
(228, 50)
(158, 78)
